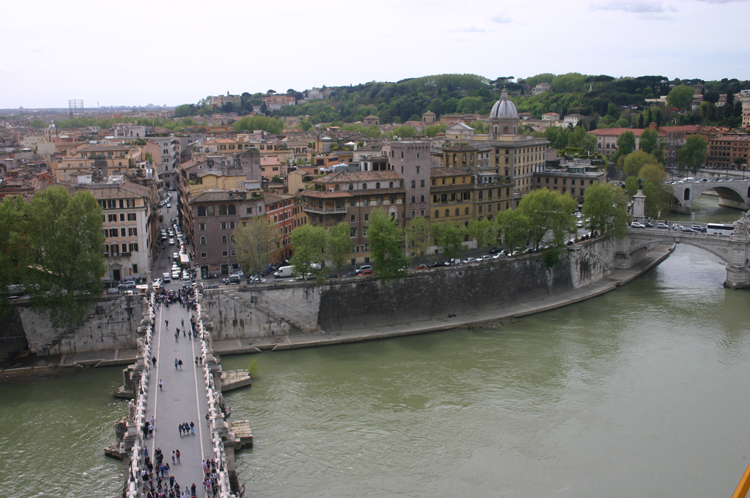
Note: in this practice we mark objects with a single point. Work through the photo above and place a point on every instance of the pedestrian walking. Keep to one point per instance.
(166, 322)
(196, 361)
(177, 454)
(183, 322)
(175, 363)
(153, 421)
(161, 385)
(192, 428)
(208, 420)
(180, 364)
(177, 334)
(183, 332)
(173, 450)
(153, 360)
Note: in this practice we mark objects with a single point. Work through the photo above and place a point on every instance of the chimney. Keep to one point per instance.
(652, 126)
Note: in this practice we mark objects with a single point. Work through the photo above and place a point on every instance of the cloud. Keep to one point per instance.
(637, 7)
(721, 1)
(502, 18)
(470, 29)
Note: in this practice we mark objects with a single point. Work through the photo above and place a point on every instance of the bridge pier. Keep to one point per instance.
(738, 264)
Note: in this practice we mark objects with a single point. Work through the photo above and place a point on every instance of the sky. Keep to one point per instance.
(168, 52)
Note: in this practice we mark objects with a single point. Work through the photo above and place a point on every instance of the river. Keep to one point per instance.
(641, 392)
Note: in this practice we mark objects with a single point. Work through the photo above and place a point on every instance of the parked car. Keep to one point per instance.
(158, 281)
(365, 273)
(648, 224)
(351, 274)
(500, 255)
(127, 285)
(439, 264)
(167, 277)
(364, 268)
(284, 272)
(171, 242)
(662, 226)
(688, 230)
(495, 250)
(635, 224)
(421, 267)
(176, 275)
(698, 228)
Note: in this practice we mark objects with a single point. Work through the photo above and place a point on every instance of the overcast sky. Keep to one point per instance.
(174, 52)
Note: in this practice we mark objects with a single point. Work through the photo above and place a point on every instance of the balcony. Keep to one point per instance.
(317, 210)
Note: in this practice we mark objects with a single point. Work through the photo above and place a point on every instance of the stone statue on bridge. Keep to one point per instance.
(742, 225)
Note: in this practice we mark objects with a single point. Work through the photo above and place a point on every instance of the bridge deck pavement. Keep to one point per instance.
(183, 399)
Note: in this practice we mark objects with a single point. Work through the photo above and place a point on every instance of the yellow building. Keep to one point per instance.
(452, 192)
(80, 160)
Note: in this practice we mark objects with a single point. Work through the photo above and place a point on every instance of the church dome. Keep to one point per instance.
(504, 108)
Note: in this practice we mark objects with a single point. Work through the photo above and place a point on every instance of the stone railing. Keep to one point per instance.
(137, 417)
(218, 425)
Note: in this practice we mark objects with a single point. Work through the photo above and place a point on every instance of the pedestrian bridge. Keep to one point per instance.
(733, 250)
(732, 193)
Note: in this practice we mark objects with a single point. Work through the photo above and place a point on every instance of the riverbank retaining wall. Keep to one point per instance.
(110, 324)
(247, 311)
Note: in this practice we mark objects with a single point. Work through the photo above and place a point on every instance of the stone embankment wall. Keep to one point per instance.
(362, 303)
(110, 324)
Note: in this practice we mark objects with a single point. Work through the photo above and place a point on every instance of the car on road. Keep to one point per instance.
(439, 264)
(175, 274)
(127, 285)
(171, 242)
(495, 250)
(167, 277)
(698, 228)
(648, 224)
(365, 273)
(662, 226)
(635, 224)
(500, 255)
(232, 279)
(169, 205)
(686, 229)
(421, 267)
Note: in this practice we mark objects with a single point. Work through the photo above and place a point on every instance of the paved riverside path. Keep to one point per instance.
(183, 399)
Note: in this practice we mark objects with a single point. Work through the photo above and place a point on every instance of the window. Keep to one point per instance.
(232, 225)
(223, 239)
(421, 198)
(364, 186)
(231, 210)
(133, 232)
(133, 247)
(131, 216)
(466, 210)
(421, 182)
(223, 225)
(353, 232)
(457, 212)
(377, 185)
(202, 210)
(106, 234)
(122, 216)
(224, 254)
(413, 184)
(367, 216)
(437, 214)
(124, 247)
(203, 255)
(413, 199)
(222, 210)
(367, 201)
(131, 203)
(122, 232)
(203, 241)
(112, 218)
(201, 226)
(353, 218)
(113, 232)
(209, 211)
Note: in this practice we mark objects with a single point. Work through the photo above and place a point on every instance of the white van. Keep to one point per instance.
(284, 272)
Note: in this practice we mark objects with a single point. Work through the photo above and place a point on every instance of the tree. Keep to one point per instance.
(251, 240)
(417, 236)
(305, 125)
(606, 208)
(557, 137)
(250, 123)
(693, 154)
(655, 189)
(386, 245)
(680, 96)
(434, 129)
(739, 161)
(308, 242)
(712, 97)
(338, 245)
(449, 239)
(548, 211)
(37, 123)
(405, 131)
(62, 257)
(626, 143)
(633, 162)
(649, 141)
(484, 232)
(13, 213)
(513, 226)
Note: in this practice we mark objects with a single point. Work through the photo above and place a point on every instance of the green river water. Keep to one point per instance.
(641, 392)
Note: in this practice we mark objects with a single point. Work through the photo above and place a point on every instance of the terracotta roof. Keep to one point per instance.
(219, 195)
(272, 198)
(439, 172)
(317, 194)
(616, 132)
(680, 129)
(358, 176)
(124, 190)
(102, 148)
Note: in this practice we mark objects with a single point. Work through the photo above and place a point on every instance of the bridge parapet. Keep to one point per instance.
(734, 193)
(733, 250)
